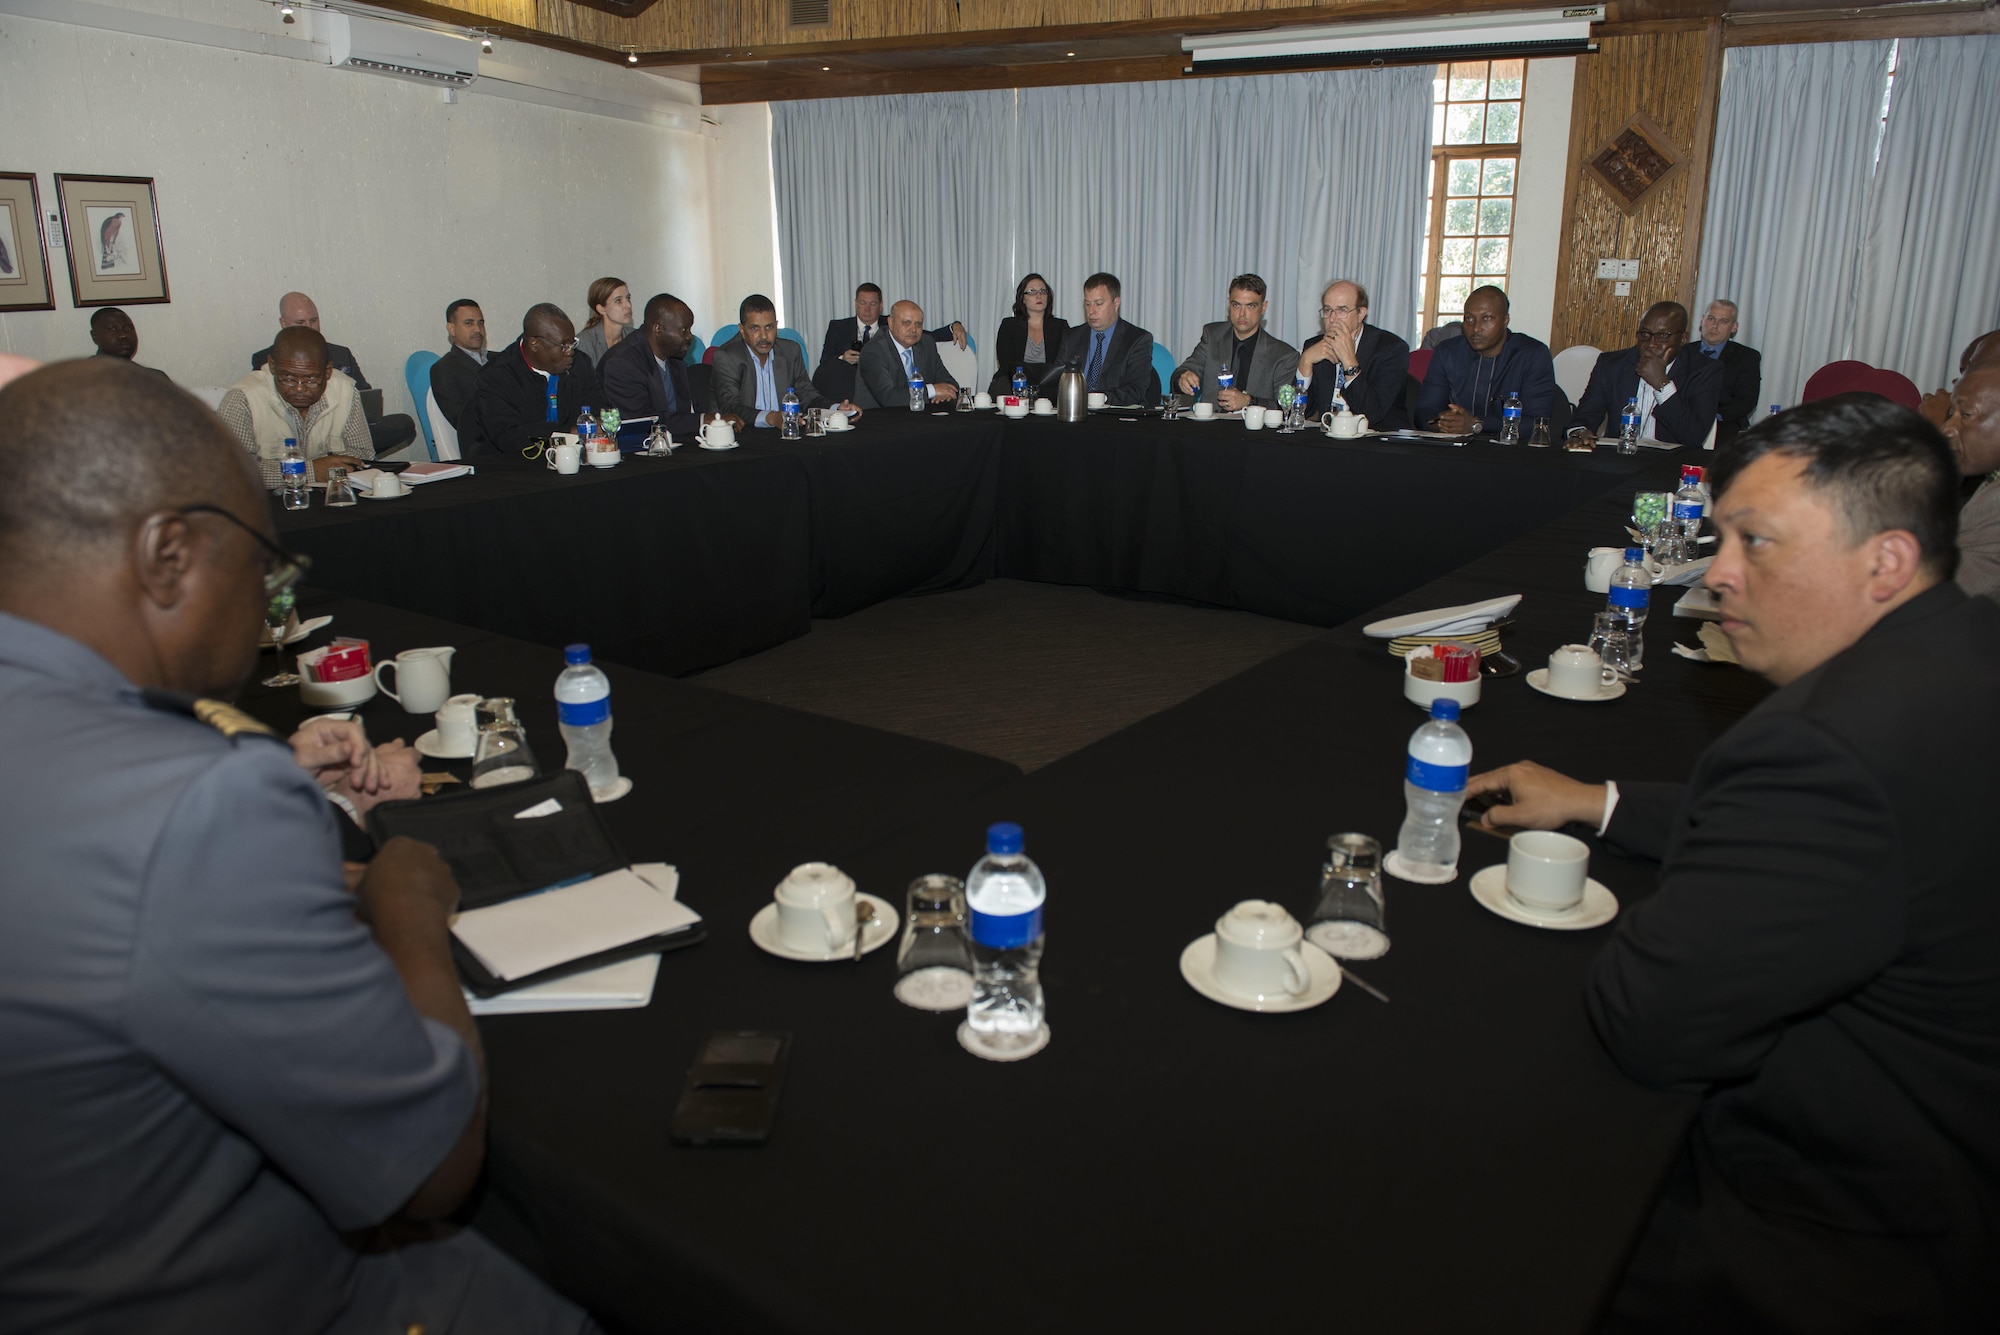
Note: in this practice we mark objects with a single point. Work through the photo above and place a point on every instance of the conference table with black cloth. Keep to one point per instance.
(1465, 1157)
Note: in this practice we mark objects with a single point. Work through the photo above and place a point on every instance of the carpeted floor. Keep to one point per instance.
(1027, 673)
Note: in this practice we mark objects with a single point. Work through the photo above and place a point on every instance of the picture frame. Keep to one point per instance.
(111, 225)
(1635, 161)
(24, 246)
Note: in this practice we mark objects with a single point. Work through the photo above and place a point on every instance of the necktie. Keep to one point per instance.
(866, 330)
(667, 380)
(1093, 371)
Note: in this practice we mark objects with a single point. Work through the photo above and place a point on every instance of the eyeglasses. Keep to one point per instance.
(551, 343)
(1034, 292)
(1325, 311)
(286, 378)
(282, 569)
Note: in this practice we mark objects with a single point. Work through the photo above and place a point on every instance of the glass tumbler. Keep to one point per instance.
(339, 491)
(934, 960)
(1539, 440)
(1612, 643)
(503, 755)
(1347, 919)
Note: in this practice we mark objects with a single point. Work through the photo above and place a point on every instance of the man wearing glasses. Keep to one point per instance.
(1675, 386)
(238, 1094)
(534, 387)
(1370, 367)
(297, 395)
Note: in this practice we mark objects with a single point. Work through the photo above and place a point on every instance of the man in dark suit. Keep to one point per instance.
(1742, 370)
(1821, 961)
(113, 334)
(1372, 366)
(1115, 355)
(840, 355)
(647, 376)
(751, 372)
(454, 375)
(390, 432)
(888, 364)
(1258, 360)
(1675, 387)
(1466, 388)
(511, 403)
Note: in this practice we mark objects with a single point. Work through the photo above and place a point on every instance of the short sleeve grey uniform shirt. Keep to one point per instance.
(207, 1067)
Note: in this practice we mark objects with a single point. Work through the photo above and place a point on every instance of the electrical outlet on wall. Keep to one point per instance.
(1621, 289)
(1607, 268)
(1627, 269)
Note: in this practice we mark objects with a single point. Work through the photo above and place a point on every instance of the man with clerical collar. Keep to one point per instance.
(456, 374)
(530, 388)
(1673, 386)
(1466, 388)
(1820, 963)
(298, 395)
(1370, 365)
(1258, 361)
(1742, 369)
(114, 335)
(648, 376)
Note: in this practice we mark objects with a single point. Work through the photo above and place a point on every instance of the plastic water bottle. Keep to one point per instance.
(788, 415)
(1224, 379)
(1004, 892)
(1776, 408)
(586, 428)
(292, 477)
(583, 714)
(1628, 428)
(1510, 419)
(1020, 382)
(1688, 507)
(1631, 591)
(920, 394)
(1295, 411)
(1434, 779)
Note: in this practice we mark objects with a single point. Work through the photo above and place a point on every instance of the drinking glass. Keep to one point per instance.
(278, 615)
(1347, 919)
(963, 403)
(1540, 439)
(339, 491)
(1613, 643)
(503, 755)
(934, 961)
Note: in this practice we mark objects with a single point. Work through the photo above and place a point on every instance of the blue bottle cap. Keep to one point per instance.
(574, 654)
(586, 407)
(1006, 840)
(1447, 710)
(1635, 553)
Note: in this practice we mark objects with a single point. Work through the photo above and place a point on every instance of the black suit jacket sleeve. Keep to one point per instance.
(1380, 392)
(1742, 385)
(453, 378)
(1782, 896)
(1595, 405)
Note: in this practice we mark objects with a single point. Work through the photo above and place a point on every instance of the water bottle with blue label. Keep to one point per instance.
(583, 715)
(1631, 591)
(1510, 419)
(1434, 779)
(1688, 506)
(1225, 379)
(1004, 894)
(1628, 428)
(292, 477)
(920, 395)
(1020, 382)
(788, 414)
(586, 429)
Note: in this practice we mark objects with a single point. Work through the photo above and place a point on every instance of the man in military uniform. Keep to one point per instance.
(236, 1095)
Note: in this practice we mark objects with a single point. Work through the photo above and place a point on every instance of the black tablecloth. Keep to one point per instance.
(1464, 1158)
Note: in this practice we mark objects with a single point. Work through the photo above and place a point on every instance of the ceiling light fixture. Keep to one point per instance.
(823, 69)
(285, 13)
(1069, 53)
(486, 45)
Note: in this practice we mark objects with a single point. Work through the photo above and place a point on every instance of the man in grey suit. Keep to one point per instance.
(1259, 361)
(882, 377)
(752, 371)
(1115, 355)
(1973, 428)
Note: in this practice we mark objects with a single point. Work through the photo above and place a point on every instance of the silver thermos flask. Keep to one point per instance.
(1072, 399)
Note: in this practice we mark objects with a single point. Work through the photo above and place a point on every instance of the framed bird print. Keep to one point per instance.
(112, 227)
(24, 254)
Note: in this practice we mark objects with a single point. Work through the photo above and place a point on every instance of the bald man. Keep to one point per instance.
(1973, 429)
(536, 385)
(1676, 387)
(298, 395)
(297, 311)
(222, 1073)
(882, 377)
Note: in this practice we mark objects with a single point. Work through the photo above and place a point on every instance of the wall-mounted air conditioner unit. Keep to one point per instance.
(399, 50)
(1545, 32)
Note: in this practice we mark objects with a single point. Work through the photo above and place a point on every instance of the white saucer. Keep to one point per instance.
(390, 496)
(428, 745)
(881, 929)
(1539, 679)
(1198, 967)
(1392, 863)
(730, 446)
(1598, 907)
(618, 790)
(1037, 412)
(839, 430)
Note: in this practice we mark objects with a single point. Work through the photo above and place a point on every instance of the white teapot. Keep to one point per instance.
(1345, 425)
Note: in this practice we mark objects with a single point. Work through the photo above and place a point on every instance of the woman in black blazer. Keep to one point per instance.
(1030, 323)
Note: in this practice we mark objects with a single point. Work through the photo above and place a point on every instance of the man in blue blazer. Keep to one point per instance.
(1471, 376)
(1115, 355)
(1676, 388)
(645, 375)
(840, 354)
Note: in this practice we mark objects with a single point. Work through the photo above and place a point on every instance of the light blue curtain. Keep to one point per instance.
(1794, 138)
(1174, 187)
(1929, 280)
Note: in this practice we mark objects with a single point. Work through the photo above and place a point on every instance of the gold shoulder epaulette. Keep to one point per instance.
(229, 720)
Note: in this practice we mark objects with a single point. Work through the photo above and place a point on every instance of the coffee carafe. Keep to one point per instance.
(1072, 398)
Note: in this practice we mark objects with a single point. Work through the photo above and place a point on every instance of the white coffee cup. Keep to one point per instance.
(457, 724)
(816, 909)
(1253, 418)
(423, 678)
(390, 484)
(1203, 410)
(1274, 417)
(1602, 565)
(716, 433)
(1044, 408)
(1575, 671)
(1345, 426)
(1257, 951)
(1546, 870)
(1097, 400)
(603, 453)
(564, 458)
(982, 400)
(838, 420)
(1016, 410)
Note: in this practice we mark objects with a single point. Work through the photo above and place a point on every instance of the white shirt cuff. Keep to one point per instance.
(1661, 396)
(1610, 805)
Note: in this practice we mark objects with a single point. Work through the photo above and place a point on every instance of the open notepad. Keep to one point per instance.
(522, 937)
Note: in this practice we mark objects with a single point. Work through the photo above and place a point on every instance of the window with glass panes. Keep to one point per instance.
(1469, 219)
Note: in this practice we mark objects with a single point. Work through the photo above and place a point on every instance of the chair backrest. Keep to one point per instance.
(209, 394)
(708, 357)
(964, 367)
(442, 435)
(1573, 368)
(695, 348)
(1163, 368)
(417, 375)
(799, 339)
(1834, 378)
(1420, 363)
(724, 334)
(1897, 387)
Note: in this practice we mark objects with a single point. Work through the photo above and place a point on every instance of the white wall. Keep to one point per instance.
(746, 218)
(1538, 196)
(371, 194)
